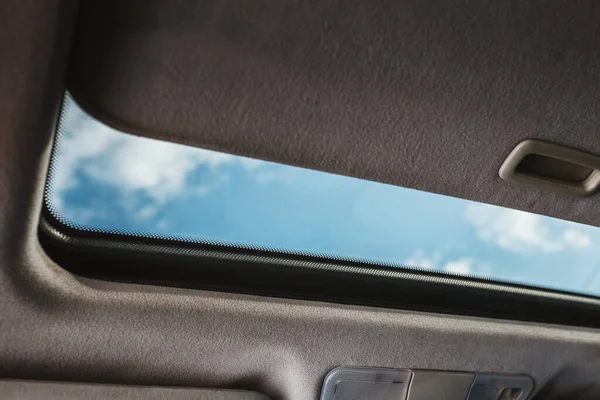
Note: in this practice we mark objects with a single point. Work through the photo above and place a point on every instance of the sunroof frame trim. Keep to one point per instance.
(229, 267)
(194, 265)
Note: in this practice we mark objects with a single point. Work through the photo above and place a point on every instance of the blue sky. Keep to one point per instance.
(107, 180)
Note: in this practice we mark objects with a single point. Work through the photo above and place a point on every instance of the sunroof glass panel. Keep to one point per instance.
(103, 180)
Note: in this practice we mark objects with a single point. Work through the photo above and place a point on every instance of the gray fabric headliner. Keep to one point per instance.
(58, 327)
(39, 390)
(427, 94)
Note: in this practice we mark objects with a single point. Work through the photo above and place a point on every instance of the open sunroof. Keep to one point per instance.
(106, 181)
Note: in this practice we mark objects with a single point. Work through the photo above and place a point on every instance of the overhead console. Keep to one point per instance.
(358, 383)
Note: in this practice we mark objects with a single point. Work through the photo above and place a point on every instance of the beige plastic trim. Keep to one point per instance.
(508, 170)
(429, 385)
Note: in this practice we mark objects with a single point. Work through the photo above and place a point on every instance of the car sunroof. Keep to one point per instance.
(103, 180)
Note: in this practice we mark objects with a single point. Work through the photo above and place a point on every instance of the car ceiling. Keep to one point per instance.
(431, 95)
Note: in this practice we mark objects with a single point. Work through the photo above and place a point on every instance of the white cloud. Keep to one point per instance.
(275, 173)
(162, 225)
(464, 266)
(200, 191)
(146, 212)
(266, 177)
(250, 163)
(89, 142)
(134, 165)
(576, 238)
(420, 260)
(522, 232)
(157, 168)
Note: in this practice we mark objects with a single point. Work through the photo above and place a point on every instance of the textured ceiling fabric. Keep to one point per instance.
(425, 94)
(39, 390)
(55, 326)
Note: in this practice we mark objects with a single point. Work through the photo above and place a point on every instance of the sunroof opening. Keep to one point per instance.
(106, 181)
